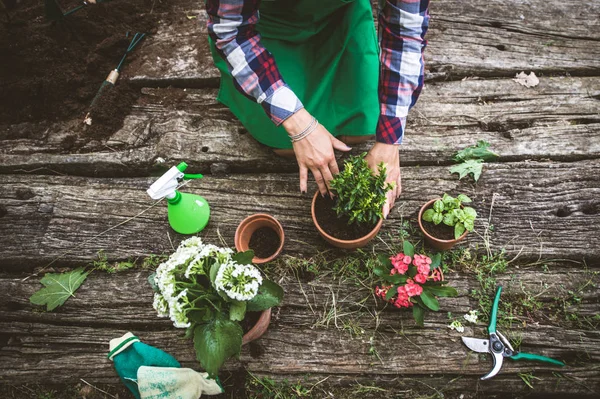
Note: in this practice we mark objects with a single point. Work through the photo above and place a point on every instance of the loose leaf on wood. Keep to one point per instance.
(471, 166)
(269, 294)
(215, 342)
(479, 151)
(58, 287)
(419, 315)
(429, 300)
(244, 258)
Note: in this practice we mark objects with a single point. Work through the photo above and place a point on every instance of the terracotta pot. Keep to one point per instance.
(252, 223)
(437, 243)
(259, 328)
(345, 244)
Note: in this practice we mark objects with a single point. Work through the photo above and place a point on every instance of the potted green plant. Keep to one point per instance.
(208, 290)
(354, 215)
(446, 221)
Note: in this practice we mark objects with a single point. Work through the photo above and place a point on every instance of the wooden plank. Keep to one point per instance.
(559, 119)
(297, 343)
(495, 38)
(539, 209)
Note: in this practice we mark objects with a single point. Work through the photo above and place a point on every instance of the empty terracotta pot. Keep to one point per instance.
(434, 242)
(259, 328)
(252, 223)
(345, 244)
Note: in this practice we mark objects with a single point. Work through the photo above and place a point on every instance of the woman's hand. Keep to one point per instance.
(388, 154)
(314, 152)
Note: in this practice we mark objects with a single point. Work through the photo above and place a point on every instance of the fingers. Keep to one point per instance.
(339, 145)
(303, 179)
(326, 173)
(320, 181)
(333, 167)
(399, 185)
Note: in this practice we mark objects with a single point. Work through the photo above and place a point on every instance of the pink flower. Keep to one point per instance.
(421, 278)
(402, 301)
(422, 263)
(382, 292)
(413, 289)
(436, 275)
(400, 263)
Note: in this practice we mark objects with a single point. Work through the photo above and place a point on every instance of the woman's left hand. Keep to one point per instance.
(388, 154)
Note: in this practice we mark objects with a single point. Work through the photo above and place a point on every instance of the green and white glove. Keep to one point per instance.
(175, 383)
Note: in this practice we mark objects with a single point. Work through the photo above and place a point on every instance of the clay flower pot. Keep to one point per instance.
(434, 242)
(345, 244)
(252, 223)
(259, 328)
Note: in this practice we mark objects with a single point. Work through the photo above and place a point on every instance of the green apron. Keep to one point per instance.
(327, 52)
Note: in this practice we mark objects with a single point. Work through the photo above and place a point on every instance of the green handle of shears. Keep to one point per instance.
(539, 358)
(494, 315)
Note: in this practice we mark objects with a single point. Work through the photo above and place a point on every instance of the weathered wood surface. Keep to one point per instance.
(298, 342)
(492, 38)
(545, 209)
(559, 119)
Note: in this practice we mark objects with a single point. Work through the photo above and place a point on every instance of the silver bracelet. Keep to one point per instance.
(311, 129)
(302, 133)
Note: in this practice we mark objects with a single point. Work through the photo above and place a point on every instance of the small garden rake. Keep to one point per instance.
(113, 76)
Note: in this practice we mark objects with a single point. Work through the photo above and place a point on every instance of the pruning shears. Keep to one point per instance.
(499, 346)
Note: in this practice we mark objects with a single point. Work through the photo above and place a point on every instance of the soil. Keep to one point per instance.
(440, 231)
(335, 226)
(264, 242)
(51, 70)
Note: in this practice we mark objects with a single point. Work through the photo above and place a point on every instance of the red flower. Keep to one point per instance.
(422, 263)
(413, 289)
(421, 278)
(382, 292)
(402, 301)
(436, 275)
(400, 263)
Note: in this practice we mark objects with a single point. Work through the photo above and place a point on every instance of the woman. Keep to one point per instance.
(330, 79)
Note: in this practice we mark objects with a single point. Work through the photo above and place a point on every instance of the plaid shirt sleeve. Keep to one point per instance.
(231, 24)
(402, 28)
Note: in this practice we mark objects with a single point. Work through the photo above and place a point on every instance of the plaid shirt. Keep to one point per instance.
(402, 27)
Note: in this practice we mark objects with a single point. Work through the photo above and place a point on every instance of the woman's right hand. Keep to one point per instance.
(314, 152)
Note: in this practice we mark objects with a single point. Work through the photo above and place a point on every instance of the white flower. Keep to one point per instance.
(160, 305)
(471, 317)
(456, 325)
(239, 282)
(177, 310)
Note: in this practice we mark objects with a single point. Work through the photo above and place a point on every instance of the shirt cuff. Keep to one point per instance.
(390, 129)
(281, 104)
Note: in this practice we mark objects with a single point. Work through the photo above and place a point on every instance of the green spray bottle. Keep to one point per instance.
(188, 213)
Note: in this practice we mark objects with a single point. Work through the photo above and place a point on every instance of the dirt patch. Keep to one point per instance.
(335, 226)
(51, 70)
(440, 231)
(264, 242)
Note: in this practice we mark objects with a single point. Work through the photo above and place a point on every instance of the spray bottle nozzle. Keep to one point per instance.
(167, 184)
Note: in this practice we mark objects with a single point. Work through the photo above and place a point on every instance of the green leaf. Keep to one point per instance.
(442, 291)
(459, 229)
(384, 260)
(391, 292)
(429, 300)
(469, 225)
(244, 258)
(473, 167)
(153, 283)
(470, 212)
(237, 311)
(436, 260)
(419, 315)
(449, 219)
(408, 248)
(428, 215)
(58, 287)
(437, 218)
(438, 206)
(215, 342)
(395, 278)
(480, 151)
(269, 294)
(464, 198)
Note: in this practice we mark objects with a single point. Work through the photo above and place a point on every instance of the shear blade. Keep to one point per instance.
(477, 344)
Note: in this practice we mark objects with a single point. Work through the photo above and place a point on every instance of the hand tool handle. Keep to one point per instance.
(494, 315)
(539, 358)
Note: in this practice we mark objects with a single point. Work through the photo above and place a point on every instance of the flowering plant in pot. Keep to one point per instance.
(355, 213)
(410, 280)
(446, 221)
(208, 290)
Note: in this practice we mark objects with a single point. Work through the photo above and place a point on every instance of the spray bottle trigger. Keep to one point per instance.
(189, 176)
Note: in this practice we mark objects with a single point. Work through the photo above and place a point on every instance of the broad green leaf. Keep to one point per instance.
(428, 215)
(464, 198)
(153, 283)
(442, 291)
(58, 287)
(459, 229)
(395, 278)
(380, 271)
(237, 310)
(429, 299)
(449, 219)
(412, 271)
(244, 258)
(419, 315)
(473, 167)
(408, 248)
(479, 151)
(215, 342)
(470, 212)
(437, 218)
(438, 206)
(436, 260)
(269, 294)
(469, 225)
(384, 260)
(391, 292)
(214, 269)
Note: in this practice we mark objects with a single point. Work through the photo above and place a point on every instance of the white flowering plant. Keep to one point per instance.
(208, 290)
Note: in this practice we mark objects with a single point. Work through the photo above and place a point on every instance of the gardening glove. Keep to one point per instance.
(180, 383)
(128, 354)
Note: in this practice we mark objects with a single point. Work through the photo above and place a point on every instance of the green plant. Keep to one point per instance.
(450, 211)
(58, 287)
(360, 193)
(207, 290)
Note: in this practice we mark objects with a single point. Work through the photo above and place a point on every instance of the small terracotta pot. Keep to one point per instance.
(437, 243)
(259, 328)
(345, 244)
(252, 223)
